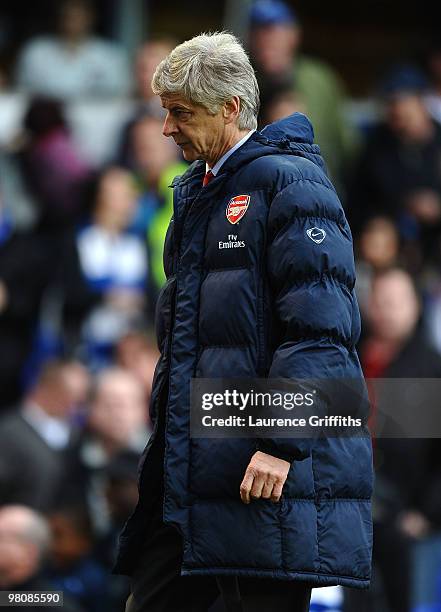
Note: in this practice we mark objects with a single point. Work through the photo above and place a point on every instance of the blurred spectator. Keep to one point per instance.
(151, 157)
(407, 498)
(24, 543)
(282, 102)
(138, 353)
(73, 568)
(73, 63)
(121, 491)
(105, 272)
(159, 225)
(148, 56)
(378, 248)
(398, 173)
(275, 40)
(24, 273)
(118, 413)
(122, 487)
(52, 167)
(154, 160)
(117, 421)
(37, 441)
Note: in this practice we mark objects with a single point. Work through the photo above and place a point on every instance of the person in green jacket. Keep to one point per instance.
(275, 39)
(158, 227)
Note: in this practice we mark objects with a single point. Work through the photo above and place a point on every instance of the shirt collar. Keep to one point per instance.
(218, 165)
(55, 432)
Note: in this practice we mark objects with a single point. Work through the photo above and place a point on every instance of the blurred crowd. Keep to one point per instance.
(81, 267)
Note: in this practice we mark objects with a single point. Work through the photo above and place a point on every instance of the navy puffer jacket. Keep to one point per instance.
(278, 304)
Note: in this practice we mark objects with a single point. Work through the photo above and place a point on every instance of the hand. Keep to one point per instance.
(264, 478)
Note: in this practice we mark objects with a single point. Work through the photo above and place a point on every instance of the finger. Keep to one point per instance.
(267, 489)
(245, 486)
(277, 491)
(258, 484)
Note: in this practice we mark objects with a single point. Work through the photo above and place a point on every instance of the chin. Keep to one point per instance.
(189, 155)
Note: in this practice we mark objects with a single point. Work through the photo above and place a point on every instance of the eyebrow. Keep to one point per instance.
(173, 105)
(178, 107)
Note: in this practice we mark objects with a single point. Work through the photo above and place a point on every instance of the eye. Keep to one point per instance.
(182, 115)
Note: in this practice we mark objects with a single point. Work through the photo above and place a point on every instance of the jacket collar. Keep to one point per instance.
(292, 135)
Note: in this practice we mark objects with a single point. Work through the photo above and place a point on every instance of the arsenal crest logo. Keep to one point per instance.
(237, 207)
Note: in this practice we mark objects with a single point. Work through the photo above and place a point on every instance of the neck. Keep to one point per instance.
(44, 403)
(72, 42)
(228, 144)
(107, 223)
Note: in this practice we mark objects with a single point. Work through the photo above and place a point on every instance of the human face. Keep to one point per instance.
(76, 20)
(408, 117)
(116, 200)
(199, 134)
(274, 47)
(393, 308)
(147, 58)
(118, 411)
(151, 152)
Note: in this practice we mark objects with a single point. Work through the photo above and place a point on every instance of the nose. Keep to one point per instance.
(169, 127)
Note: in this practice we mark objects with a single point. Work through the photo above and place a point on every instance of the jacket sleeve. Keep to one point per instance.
(310, 268)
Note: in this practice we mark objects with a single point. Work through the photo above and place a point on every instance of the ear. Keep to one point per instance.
(231, 110)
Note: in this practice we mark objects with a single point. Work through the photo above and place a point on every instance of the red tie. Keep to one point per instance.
(207, 178)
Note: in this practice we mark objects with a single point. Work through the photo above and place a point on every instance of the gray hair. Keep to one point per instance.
(28, 525)
(209, 70)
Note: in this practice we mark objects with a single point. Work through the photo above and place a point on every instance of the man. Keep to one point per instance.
(280, 305)
(25, 540)
(146, 104)
(37, 441)
(73, 63)
(117, 416)
(116, 421)
(275, 44)
(397, 173)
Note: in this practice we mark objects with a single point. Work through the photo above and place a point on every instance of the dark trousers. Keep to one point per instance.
(157, 585)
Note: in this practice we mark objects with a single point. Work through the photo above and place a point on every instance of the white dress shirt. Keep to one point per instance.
(218, 165)
(55, 432)
(96, 67)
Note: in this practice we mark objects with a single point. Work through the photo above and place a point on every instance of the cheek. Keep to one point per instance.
(196, 146)
(192, 136)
